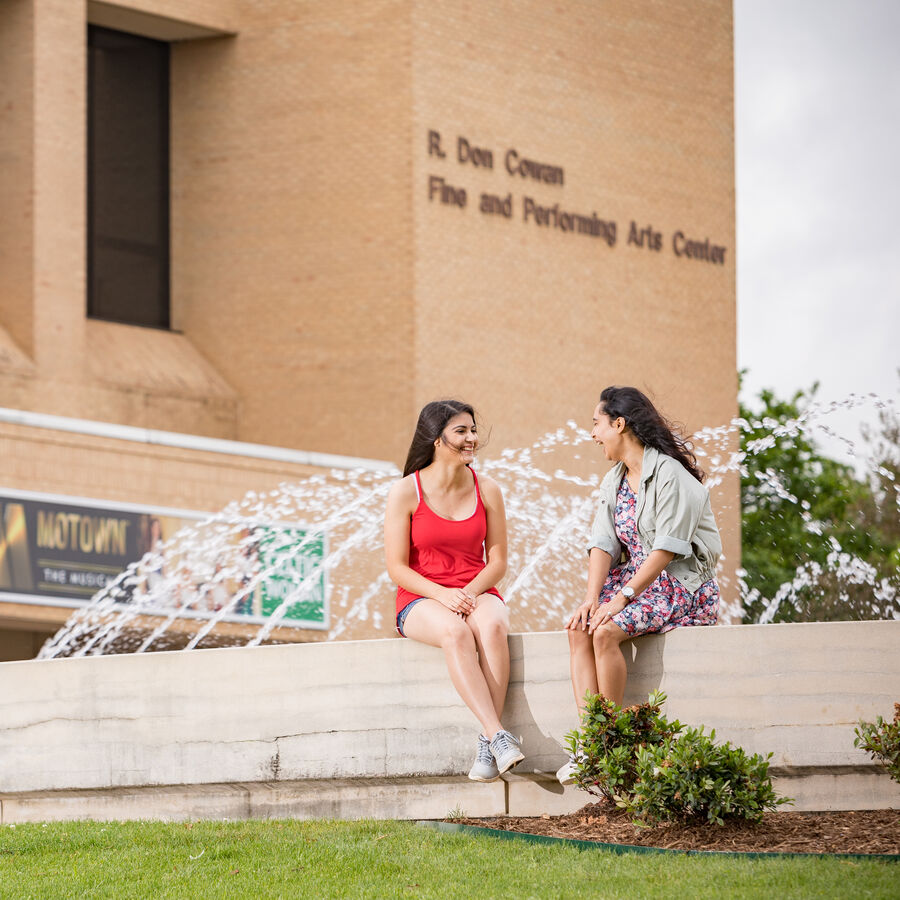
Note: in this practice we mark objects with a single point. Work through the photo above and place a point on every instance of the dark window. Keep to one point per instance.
(128, 178)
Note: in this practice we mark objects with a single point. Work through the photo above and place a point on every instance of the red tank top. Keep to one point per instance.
(448, 552)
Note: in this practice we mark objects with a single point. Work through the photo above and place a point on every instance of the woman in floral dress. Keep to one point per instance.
(653, 550)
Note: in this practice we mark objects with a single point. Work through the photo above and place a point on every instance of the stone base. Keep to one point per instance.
(397, 798)
(837, 788)
(354, 729)
(353, 798)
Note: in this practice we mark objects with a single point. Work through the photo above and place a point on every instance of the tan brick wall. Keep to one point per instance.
(70, 365)
(59, 190)
(16, 159)
(37, 459)
(299, 160)
(635, 102)
(321, 297)
(24, 644)
(292, 235)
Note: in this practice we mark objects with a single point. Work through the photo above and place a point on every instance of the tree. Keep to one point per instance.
(818, 544)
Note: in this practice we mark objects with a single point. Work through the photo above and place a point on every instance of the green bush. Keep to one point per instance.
(690, 777)
(605, 747)
(882, 741)
(642, 761)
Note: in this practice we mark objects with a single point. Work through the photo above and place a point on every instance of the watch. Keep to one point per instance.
(627, 592)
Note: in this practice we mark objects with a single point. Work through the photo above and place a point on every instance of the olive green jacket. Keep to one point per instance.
(673, 513)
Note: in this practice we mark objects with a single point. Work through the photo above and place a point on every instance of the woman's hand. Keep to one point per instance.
(582, 616)
(456, 600)
(610, 609)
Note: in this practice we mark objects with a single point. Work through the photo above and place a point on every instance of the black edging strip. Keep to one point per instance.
(452, 827)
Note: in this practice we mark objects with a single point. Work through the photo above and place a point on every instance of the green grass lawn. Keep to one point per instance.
(385, 859)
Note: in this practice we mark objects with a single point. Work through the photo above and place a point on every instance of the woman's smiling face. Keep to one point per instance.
(461, 436)
(608, 433)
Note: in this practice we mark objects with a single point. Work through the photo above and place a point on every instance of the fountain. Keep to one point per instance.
(348, 728)
(318, 542)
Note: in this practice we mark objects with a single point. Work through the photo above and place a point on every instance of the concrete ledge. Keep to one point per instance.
(374, 728)
(173, 22)
(393, 798)
(339, 798)
(838, 787)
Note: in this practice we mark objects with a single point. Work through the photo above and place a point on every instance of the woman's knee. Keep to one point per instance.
(579, 641)
(491, 629)
(607, 638)
(490, 621)
(456, 633)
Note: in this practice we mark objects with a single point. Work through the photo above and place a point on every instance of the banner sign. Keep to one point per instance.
(277, 544)
(61, 552)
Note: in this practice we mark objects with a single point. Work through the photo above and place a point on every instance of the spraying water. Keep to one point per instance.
(196, 588)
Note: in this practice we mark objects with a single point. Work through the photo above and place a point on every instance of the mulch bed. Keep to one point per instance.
(865, 831)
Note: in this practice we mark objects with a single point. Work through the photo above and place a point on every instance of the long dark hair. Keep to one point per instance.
(432, 421)
(649, 426)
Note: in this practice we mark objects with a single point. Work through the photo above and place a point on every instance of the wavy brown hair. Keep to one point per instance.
(649, 426)
(432, 421)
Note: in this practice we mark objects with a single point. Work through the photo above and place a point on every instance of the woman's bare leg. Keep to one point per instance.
(432, 623)
(610, 661)
(582, 666)
(490, 625)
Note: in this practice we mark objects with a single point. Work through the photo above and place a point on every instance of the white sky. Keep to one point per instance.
(817, 89)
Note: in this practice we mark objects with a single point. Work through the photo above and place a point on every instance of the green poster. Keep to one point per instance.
(278, 548)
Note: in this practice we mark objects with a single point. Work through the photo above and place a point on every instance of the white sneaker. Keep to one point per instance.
(484, 768)
(566, 772)
(507, 751)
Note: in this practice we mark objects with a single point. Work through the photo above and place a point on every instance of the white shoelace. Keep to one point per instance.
(484, 751)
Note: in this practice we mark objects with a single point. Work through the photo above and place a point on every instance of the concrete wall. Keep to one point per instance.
(374, 728)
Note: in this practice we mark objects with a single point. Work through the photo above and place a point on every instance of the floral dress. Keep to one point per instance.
(666, 603)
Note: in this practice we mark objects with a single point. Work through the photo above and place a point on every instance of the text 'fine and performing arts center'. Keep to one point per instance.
(244, 242)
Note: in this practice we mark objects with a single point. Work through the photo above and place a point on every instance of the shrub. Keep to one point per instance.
(605, 747)
(690, 777)
(642, 761)
(882, 741)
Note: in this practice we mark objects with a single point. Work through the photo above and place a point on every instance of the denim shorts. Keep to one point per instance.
(401, 616)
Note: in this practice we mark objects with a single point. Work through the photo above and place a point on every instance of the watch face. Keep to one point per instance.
(628, 592)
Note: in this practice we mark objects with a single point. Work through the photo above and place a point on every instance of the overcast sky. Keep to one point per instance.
(817, 90)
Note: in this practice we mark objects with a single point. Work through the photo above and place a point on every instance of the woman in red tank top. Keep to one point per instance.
(445, 545)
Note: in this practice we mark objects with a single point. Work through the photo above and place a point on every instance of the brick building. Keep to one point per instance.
(292, 223)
